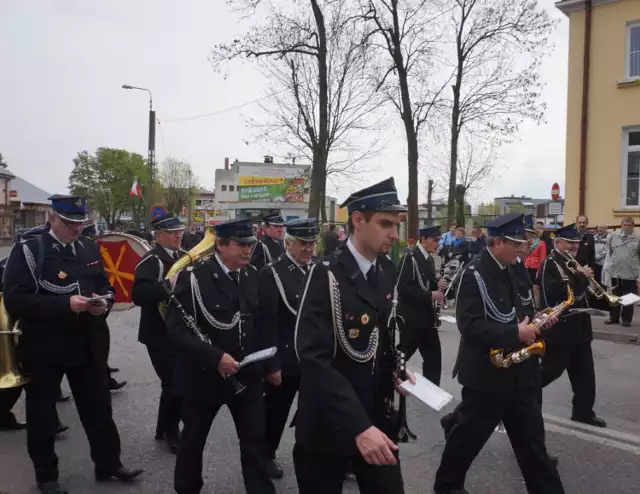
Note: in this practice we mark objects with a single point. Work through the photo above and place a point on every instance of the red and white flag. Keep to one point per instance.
(135, 189)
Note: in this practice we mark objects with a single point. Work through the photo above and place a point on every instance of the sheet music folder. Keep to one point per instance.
(427, 392)
(258, 356)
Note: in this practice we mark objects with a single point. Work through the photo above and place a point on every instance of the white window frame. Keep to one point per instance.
(624, 168)
(627, 51)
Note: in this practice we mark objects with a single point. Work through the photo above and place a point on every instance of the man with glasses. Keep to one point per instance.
(60, 319)
(269, 247)
(148, 292)
(489, 314)
(280, 291)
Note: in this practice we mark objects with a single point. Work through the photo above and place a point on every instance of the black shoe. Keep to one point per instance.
(159, 436)
(173, 441)
(121, 473)
(593, 420)
(113, 370)
(12, 425)
(62, 398)
(51, 488)
(611, 321)
(61, 428)
(454, 491)
(274, 470)
(446, 422)
(115, 385)
(626, 324)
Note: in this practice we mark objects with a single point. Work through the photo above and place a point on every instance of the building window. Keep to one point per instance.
(224, 188)
(631, 157)
(633, 47)
(230, 188)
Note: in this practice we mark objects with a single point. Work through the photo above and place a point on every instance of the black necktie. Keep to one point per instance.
(235, 276)
(176, 256)
(67, 251)
(372, 275)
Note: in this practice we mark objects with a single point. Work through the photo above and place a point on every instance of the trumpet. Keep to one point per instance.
(503, 360)
(594, 287)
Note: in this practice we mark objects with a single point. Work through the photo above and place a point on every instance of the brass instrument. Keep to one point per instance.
(503, 360)
(594, 287)
(10, 376)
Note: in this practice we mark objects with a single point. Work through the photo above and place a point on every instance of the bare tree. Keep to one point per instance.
(499, 45)
(319, 105)
(178, 180)
(405, 33)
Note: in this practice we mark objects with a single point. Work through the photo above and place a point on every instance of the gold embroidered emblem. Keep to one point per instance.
(364, 318)
(62, 275)
(354, 333)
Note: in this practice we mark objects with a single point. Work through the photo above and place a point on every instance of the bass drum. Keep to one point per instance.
(121, 253)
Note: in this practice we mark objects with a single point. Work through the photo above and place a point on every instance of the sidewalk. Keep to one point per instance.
(615, 332)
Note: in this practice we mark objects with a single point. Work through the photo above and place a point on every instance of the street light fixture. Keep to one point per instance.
(152, 151)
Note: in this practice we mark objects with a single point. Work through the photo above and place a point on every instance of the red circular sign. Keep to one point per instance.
(555, 192)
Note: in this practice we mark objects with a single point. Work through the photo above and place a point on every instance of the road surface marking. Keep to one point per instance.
(594, 439)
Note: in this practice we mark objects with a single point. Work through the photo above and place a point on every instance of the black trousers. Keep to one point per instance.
(319, 473)
(427, 341)
(247, 410)
(170, 402)
(278, 401)
(577, 359)
(8, 399)
(622, 287)
(90, 388)
(477, 416)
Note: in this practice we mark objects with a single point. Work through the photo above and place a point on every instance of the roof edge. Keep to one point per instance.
(567, 6)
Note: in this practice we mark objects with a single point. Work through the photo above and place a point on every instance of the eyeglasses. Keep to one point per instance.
(72, 223)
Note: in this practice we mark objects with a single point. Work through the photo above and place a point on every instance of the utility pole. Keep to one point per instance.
(430, 202)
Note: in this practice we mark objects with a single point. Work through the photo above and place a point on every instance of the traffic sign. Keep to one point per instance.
(555, 192)
(158, 211)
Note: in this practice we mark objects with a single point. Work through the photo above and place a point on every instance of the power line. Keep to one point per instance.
(219, 112)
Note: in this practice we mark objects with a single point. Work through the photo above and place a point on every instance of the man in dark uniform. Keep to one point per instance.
(347, 356)
(586, 253)
(280, 290)
(221, 294)
(60, 324)
(270, 245)
(418, 292)
(569, 345)
(488, 311)
(149, 292)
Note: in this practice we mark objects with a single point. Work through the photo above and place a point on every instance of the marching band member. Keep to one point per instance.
(280, 289)
(418, 291)
(345, 406)
(221, 295)
(488, 311)
(269, 247)
(60, 325)
(148, 292)
(569, 345)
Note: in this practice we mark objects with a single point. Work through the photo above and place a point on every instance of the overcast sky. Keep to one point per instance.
(64, 62)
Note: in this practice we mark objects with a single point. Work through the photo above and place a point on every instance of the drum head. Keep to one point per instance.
(120, 255)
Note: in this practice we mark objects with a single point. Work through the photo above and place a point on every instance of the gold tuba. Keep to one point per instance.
(10, 376)
(500, 358)
(203, 250)
(594, 287)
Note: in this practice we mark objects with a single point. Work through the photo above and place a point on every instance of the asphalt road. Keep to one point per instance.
(589, 463)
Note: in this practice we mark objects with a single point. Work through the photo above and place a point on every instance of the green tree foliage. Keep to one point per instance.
(106, 177)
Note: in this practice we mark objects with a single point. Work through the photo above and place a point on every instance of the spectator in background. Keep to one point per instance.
(537, 254)
(545, 237)
(586, 255)
(623, 257)
(411, 243)
(460, 247)
(600, 244)
(478, 242)
(446, 240)
(329, 239)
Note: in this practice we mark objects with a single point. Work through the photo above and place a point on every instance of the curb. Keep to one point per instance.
(616, 337)
(604, 433)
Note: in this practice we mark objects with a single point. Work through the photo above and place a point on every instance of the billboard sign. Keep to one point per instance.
(265, 184)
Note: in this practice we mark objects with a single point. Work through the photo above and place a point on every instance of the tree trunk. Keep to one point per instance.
(319, 166)
(455, 137)
(460, 193)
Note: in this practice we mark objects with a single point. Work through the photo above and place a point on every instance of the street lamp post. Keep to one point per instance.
(152, 153)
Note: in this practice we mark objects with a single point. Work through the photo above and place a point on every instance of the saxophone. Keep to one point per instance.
(502, 359)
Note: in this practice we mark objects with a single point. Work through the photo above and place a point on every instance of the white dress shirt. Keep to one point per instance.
(363, 263)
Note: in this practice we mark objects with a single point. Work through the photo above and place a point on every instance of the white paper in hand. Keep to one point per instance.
(427, 392)
(628, 299)
(258, 356)
(449, 319)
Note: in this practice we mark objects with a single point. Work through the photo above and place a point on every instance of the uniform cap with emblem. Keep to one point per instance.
(239, 231)
(168, 222)
(273, 219)
(569, 233)
(528, 223)
(510, 226)
(70, 208)
(429, 231)
(382, 196)
(303, 228)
